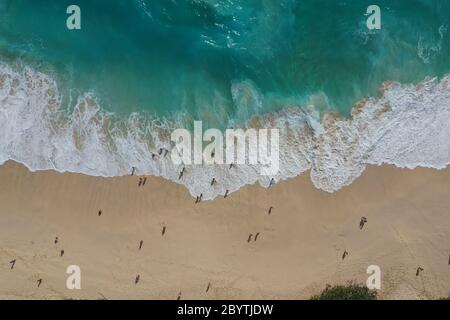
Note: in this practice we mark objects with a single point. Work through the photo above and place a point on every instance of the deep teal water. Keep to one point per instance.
(166, 57)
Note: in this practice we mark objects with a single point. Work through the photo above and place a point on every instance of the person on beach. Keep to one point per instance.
(56, 240)
(199, 199)
(270, 210)
(39, 282)
(99, 213)
(344, 255)
(256, 236)
(250, 237)
(140, 182)
(140, 244)
(133, 170)
(272, 181)
(226, 193)
(143, 182)
(12, 263)
(362, 222)
(138, 277)
(213, 181)
(419, 270)
(208, 287)
(103, 297)
(62, 253)
(163, 230)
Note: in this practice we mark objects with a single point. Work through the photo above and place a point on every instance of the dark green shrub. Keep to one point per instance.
(350, 291)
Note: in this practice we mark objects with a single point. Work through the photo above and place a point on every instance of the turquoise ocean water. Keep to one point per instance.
(148, 63)
(164, 57)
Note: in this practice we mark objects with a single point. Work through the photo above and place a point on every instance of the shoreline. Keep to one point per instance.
(335, 149)
(297, 253)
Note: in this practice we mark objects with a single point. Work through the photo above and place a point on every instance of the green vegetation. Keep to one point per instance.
(350, 291)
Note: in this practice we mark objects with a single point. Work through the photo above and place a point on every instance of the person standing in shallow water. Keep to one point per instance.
(181, 173)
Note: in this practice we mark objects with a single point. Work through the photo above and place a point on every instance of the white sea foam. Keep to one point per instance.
(407, 126)
(429, 47)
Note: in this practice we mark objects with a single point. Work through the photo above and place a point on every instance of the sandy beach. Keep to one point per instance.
(204, 252)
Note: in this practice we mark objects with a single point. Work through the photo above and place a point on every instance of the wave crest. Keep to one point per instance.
(407, 126)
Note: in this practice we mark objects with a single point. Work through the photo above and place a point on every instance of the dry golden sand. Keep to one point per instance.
(298, 251)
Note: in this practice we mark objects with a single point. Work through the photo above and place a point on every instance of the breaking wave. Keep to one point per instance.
(407, 126)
